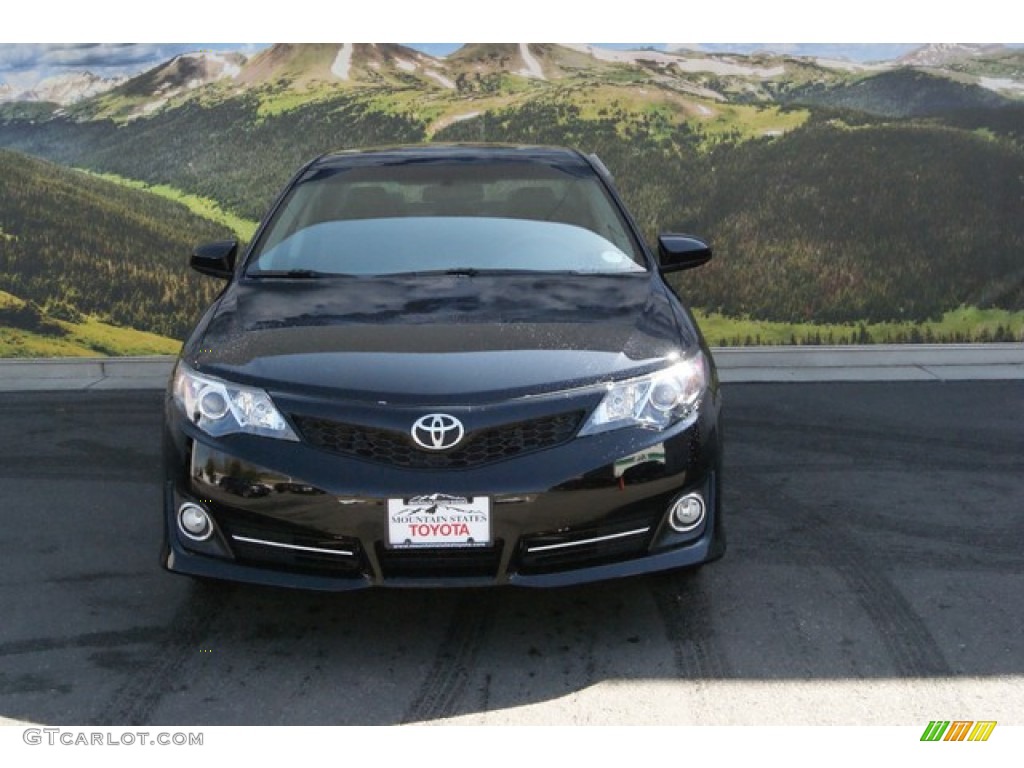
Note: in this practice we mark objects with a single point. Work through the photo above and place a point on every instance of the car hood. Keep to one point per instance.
(439, 339)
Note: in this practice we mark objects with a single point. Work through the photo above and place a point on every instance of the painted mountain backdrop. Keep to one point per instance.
(846, 202)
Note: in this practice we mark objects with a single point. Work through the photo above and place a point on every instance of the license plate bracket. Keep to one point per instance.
(439, 520)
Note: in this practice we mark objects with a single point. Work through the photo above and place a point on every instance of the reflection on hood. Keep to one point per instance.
(600, 325)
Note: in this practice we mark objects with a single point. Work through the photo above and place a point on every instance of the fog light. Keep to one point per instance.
(687, 513)
(194, 522)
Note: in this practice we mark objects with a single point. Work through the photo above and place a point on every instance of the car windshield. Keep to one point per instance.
(446, 216)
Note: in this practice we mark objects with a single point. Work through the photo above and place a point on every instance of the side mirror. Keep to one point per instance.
(678, 252)
(215, 259)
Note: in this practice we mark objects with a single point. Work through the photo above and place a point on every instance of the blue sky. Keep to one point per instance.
(24, 64)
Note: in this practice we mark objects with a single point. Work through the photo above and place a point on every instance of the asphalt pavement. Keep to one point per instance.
(875, 575)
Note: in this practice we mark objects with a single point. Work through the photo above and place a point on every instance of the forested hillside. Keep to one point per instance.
(902, 93)
(886, 222)
(225, 151)
(829, 223)
(74, 244)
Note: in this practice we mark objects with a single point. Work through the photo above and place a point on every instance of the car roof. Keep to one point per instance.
(466, 153)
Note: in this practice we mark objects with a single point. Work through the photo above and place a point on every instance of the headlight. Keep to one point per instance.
(654, 401)
(221, 408)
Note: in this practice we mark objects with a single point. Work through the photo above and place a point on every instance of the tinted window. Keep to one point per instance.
(439, 215)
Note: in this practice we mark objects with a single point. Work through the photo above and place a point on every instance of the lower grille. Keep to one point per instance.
(547, 553)
(426, 563)
(397, 448)
(295, 550)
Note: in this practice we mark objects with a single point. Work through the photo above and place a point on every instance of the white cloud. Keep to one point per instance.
(101, 58)
(22, 65)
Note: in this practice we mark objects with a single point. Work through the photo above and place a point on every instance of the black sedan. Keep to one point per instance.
(444, 366)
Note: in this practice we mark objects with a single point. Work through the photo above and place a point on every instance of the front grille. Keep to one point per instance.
(397, 448)
(294, 549)
(444, 562)
(582, 547)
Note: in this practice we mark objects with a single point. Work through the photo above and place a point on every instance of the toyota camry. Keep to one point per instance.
(444, 366)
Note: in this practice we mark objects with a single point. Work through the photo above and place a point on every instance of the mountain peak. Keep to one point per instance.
(516, 58)
(63, 89)
(302, 64)
(185, 72)
(940, 54)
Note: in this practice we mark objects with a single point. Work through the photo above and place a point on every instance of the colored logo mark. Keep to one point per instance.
(958, 730)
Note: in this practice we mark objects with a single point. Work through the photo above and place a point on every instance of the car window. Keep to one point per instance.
(447, 216)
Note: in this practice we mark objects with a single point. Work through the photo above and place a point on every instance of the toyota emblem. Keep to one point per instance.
(437, 431)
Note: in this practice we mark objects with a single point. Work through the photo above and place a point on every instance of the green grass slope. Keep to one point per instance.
(28, 331)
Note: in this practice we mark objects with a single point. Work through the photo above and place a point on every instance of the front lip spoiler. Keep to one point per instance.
(681, 557)
(178, 560)
(181, 561)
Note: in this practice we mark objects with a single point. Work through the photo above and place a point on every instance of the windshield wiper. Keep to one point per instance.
(461, 272)
(295, 273)
(456, 271)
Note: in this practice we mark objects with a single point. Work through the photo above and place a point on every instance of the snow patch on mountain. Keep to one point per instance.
(940, 54)
(624, 57)
(718, 67)
(440, 78)
(846, 65)
(153, 106)
(682, 62)
(221, 64)
(64, 89)
(443, 122)
(533, 67)
(405, 66)
(343, 61)
(1002, 84)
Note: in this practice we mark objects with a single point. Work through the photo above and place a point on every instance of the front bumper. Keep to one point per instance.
(288, 514)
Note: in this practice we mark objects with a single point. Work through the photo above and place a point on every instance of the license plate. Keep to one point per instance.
(439, 520)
